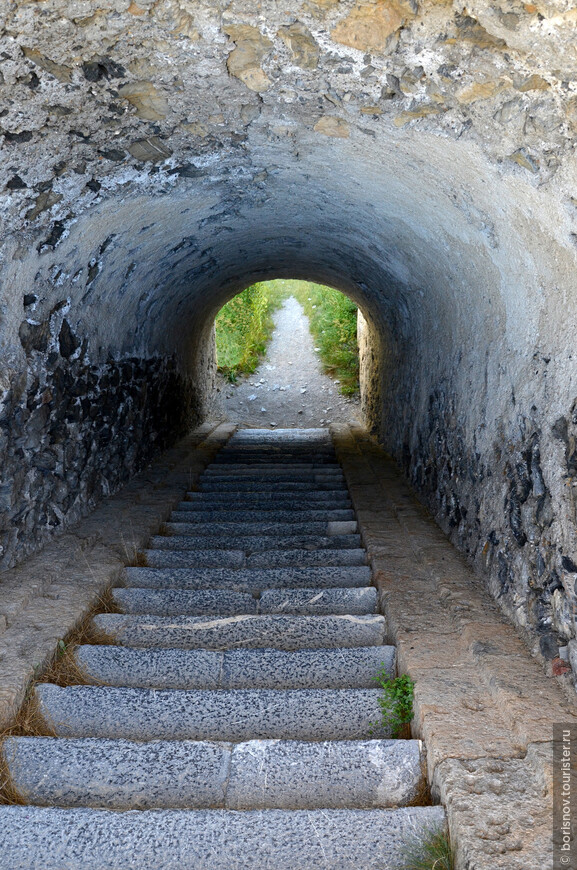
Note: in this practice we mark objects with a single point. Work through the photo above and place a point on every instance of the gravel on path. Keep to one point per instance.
(289, 389)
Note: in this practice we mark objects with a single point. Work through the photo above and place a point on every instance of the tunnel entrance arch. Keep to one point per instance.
(301, 338)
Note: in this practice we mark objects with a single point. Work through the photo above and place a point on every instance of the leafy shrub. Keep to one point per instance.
(396, 701)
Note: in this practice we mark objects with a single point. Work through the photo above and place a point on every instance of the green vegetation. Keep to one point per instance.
(243, 328)
(333, 321)
(431, 853)
(396, 702)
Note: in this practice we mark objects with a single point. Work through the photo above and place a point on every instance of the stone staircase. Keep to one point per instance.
(227, 713)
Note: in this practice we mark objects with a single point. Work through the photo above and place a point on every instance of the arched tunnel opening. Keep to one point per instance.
(287, 355)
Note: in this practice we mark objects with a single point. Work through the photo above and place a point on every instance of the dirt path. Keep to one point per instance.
(288, 389)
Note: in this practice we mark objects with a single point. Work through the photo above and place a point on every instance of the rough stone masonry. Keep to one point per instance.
(160, 155)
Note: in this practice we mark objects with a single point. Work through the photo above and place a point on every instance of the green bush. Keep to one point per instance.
(243, 328)
(333, 322)
(396, 701)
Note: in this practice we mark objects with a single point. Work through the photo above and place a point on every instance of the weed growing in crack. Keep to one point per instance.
(396, 703)
(431, 851)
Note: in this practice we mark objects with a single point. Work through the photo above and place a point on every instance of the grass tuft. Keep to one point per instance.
(429, 851)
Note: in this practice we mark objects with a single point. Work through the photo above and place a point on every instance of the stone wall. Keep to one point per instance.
(72, 433)
(160, 155)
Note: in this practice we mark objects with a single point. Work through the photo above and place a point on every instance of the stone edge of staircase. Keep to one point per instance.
(483, 705)
(50, 592)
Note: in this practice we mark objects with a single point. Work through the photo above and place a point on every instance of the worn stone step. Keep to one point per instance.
(245, 580)
(285, 437)
(196, 512)
(276, 457)
(327, 498)
(229, 715)
(167, 558)
(240, 486)
(32, 838)
(248, 631)
(236, 471)
(229, 467)
(199, 559)
(176, 602)
(321, 601)
(267, 529)
(255, 543)
(286, 558)
(255, 774)
(117, 773)
(276, 477)
(360, 774)
(339, 668)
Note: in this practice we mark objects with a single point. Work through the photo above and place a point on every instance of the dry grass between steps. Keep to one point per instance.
(9, 794)
(423, 796)
(62, 670)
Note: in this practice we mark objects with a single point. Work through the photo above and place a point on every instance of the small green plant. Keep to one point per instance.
(431, 851)
(61, 649)
(396, 702)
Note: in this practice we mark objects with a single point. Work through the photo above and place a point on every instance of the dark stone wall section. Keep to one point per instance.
(71, 433)
(499, 511)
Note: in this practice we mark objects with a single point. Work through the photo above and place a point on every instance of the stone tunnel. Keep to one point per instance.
(158, 156)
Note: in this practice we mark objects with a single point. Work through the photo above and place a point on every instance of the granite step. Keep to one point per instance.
(311, 500)
(284, 472)
(279, 631)
(166, 558)
(32, 838)
(321, 529)
(188, 774)
(249, 467)
(199, 559)
(287, 558)
(259, 485)
(224, 715)
(319, 601)
(340, 668)
(313, 435)
(248, 580)
(275, 457)
(197, 512)
(255, 543)
(178, 602)
(277, 477)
